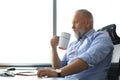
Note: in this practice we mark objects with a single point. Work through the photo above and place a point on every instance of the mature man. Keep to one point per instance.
(87, 58)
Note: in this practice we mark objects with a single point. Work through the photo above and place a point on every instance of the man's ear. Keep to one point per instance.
(88, 24)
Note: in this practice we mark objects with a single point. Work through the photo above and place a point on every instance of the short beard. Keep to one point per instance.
(80, 34)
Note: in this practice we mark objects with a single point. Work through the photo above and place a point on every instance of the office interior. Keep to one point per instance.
(26, 27)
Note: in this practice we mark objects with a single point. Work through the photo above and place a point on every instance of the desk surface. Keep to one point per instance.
(27, 75)
(32, 78)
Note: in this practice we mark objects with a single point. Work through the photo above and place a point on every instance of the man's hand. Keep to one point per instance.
(46, 72)
(54, 41)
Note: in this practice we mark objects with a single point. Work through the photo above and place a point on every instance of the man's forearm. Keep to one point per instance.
(77, 66)
(55, 59)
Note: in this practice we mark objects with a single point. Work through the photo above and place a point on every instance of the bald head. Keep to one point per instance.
(86, 14)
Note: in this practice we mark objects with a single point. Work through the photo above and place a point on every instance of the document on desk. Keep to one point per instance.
(25, 72)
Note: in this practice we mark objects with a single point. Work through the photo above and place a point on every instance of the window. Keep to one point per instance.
(105, 12)
(26, 26)
(25, 31)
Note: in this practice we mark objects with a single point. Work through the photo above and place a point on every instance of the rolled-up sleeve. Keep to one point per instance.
(98, 50)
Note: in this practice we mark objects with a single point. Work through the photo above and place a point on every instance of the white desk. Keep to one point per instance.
(32, 78)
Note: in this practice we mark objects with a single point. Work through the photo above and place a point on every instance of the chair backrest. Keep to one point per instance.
(113, 73)
(111, 29)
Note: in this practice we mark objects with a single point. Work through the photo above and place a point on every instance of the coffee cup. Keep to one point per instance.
(64, 40)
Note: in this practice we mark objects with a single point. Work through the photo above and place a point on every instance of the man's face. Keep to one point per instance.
(79, 25)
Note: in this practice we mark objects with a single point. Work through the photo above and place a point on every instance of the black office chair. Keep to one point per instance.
(114, 71)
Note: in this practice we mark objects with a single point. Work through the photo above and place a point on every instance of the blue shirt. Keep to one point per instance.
(95, 48)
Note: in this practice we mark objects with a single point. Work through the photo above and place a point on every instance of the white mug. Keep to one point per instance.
(64, 40)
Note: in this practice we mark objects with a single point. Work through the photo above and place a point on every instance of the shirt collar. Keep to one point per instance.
(89, 33)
